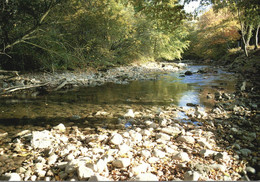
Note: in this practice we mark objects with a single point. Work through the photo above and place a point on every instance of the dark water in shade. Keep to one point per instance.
(115, 99)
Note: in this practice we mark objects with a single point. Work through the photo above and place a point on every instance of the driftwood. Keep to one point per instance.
(13, 89)
(5, 72)
(61, 85)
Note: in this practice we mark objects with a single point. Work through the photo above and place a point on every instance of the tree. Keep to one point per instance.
(213, 34)
(247, 13)
(167, 29)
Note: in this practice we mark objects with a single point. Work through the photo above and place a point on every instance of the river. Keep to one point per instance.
(103, 105)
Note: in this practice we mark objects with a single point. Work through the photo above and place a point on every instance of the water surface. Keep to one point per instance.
(82, 104)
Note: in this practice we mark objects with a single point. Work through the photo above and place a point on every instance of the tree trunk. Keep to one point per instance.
(243, 32)
(244, 43)
(249, 34)
(256, 37)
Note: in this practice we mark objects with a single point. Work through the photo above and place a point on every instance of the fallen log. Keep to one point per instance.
(13, 89)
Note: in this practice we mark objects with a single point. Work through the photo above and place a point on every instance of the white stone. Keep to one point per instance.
(191, 176)
(130, 113)
(206, 152)
(52, 159)
(137, 137)
(108, 158)
(171, 131)
(41, 173)
(146, 132)
(145, 177)
(159, 153)
(153, 160)
(33, 178)
(14, 177)
(42, 139)
(38, 166)
(101, 138)
(169, 150)
(203, 142)
(20, 170)
(123, 149)
(126, 135)
(70, 157)
(116, 139)
(182, 156)
(64, 139)
(121, 162)
(100, 166)
(145, 153)
(60, 127)
(84, 172)
(163, 136)
(186, 139)
(101, 113)
(62, 165)
(142, 168)
(163, 122)
(151, 124)
(98, 151)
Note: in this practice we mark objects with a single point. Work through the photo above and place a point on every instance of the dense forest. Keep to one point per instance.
(64, 35)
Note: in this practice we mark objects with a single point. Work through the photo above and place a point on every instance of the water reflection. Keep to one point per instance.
(85, 102)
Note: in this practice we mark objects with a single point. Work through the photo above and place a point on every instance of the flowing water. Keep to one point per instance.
(104, 104)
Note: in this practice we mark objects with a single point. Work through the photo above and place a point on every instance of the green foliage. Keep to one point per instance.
(52, 34)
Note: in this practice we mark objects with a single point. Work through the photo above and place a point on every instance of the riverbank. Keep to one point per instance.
(221, 145)
(39, 83)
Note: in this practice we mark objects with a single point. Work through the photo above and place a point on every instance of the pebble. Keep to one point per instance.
(41, 173)
(14, 177)
(206, 152)
(245, 152)
(63, 175)
(153, 160)
(186, 139)
(130, 113)
(121, 162)
(182, 156)
(142, 168)
(52, 159)
(33, 178)
(159, 153)
(145, 153)
(41, 139)
(116, 139)
(171, 131)
(101, 165)
(202, 142)
(191, 176)
(163, 136)
(137, 137)
(236, 146)
(250, 170)
(60, 127)
(84, 172)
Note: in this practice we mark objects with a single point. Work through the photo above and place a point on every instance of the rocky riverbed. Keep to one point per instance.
(220, 143)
